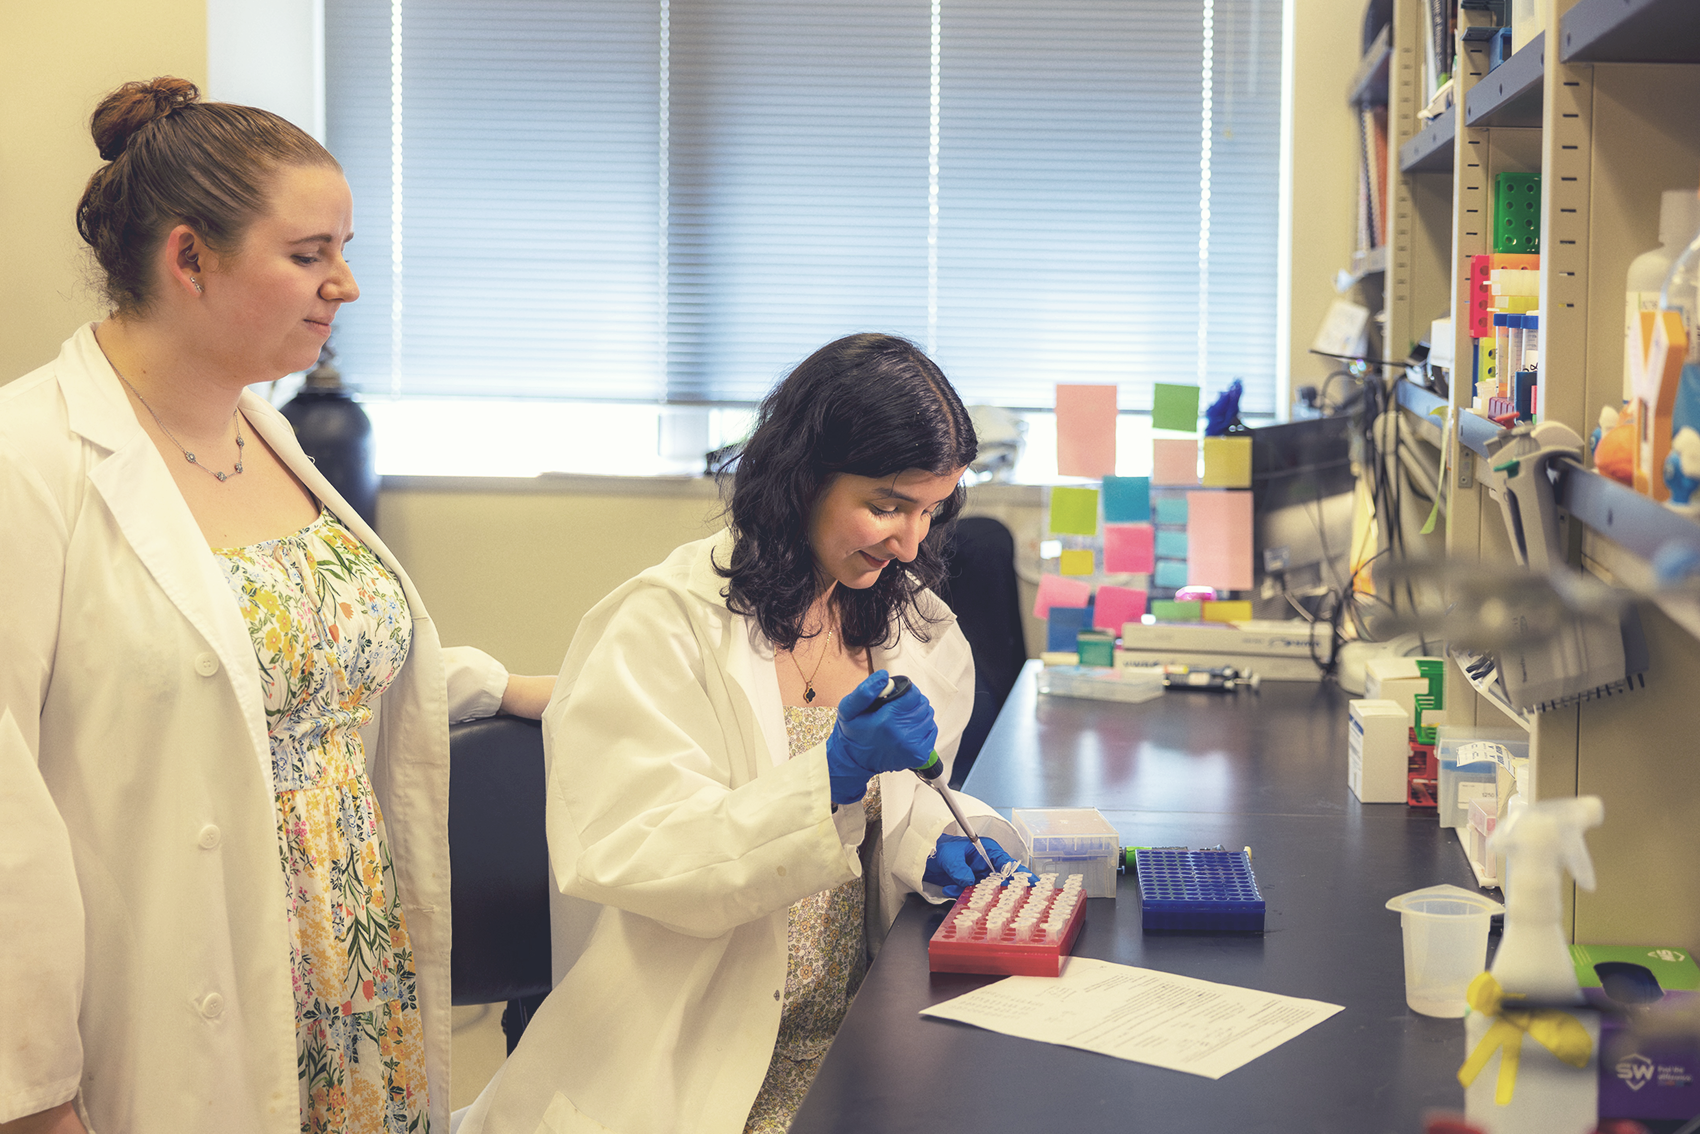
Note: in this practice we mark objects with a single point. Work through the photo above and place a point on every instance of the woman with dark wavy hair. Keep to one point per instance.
(731, 808)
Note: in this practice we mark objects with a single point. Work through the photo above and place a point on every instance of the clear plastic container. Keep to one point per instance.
(1446, 933)
(1070, 840)
(1101, 683)
(1681, 293)
(1468, 756)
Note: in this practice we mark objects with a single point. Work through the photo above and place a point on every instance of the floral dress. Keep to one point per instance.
(331, 628)
(826, 956)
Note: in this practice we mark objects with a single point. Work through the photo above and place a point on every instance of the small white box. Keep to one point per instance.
(1396, 679)
(1378, 750)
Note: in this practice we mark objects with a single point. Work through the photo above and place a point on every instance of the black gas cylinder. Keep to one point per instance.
(337, 434)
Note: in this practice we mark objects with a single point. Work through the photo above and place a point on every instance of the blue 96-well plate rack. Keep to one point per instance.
(1207, 891)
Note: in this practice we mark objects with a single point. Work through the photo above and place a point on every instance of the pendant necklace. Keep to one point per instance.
(809, 679)
(190, 457)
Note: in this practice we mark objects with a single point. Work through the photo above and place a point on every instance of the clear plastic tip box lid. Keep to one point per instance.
(1198, 892)
(1071, 840)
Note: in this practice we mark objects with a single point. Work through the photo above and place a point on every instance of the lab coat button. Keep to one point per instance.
(209, 837)
(212, 1006)
(206, 665)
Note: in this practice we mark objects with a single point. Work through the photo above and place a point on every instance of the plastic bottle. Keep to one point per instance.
(1539, 843)
(1681, 293)
(1679, 217)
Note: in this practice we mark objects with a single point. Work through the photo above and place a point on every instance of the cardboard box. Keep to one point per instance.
(1642, 1076)
(1377, 750)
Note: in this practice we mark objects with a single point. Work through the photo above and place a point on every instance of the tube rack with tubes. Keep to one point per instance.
(1018, 927)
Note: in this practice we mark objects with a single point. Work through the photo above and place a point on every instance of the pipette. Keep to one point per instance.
(932, 774)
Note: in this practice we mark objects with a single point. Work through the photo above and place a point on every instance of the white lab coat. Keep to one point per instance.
(144, 954)
(672, 804)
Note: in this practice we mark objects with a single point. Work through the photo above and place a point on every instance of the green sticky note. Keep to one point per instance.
(1166, 610)
(1074, 511)
(1174, 407)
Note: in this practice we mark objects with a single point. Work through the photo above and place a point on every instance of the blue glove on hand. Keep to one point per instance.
(955, 863)
(895, 736)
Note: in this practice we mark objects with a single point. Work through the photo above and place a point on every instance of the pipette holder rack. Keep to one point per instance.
(1207, 891)
(950, 952)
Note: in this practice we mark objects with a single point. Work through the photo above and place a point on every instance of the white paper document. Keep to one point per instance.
(1170, 1021)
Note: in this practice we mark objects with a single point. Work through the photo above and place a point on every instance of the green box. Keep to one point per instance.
(1167, 610)
(1517, 212)
(1096, 647)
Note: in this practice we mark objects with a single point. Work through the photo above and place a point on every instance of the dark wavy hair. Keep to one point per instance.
(871, 405)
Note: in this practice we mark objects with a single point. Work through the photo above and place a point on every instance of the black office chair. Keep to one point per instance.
(980, 586)
(499, 858)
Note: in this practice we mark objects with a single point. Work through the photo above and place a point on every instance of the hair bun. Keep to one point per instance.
(132, 106)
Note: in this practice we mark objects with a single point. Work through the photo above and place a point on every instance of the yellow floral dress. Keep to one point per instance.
(331, 628)
(826, 956)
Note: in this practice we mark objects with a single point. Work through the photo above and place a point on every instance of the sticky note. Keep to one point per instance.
(1074, 511)
(1064, 625)
(1219, 539)
(1170, 573)
(1171, 509)
(1054, 590)
(1116, 606)
(1174, 461)
(1128, 549)
(1171, 544)
(1174, 407)
(1127, 499)
(1224, 610)
(1166, 610)
(1227, 462)
(1086, 431)
(1076, 563)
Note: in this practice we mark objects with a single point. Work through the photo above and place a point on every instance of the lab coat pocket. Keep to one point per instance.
(563, 1117)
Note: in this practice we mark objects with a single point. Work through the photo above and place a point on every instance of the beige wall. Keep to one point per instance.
(1327, 43)
(63, 58)
(511, 566)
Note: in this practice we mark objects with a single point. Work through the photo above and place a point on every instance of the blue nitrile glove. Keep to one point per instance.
(955, 863)
(895, 736)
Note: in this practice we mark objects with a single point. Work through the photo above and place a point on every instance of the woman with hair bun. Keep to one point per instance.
(731, 815)
(223, 710)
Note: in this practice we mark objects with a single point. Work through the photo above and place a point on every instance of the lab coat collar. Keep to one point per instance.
(144, 501)
(150, 511)
(751, 657)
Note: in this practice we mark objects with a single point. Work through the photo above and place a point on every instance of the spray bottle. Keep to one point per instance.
(1547, 1090)
(1534, 955)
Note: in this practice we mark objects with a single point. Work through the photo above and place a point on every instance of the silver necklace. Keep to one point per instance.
(190, 457)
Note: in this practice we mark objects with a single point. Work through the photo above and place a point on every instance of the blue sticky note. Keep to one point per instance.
(1171, 573)
(1127, 499)
(1171, 544)
(1066, 622)
(1171, 509)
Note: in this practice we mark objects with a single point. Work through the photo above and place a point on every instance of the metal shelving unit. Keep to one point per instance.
(1631, 31)
(1510, 94)
(1431, 150)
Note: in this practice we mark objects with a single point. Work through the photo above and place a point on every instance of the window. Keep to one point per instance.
(673, 201)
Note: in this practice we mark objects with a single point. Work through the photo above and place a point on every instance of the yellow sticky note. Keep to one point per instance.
(1227, 462)
(1227, 611)
(1075, 563)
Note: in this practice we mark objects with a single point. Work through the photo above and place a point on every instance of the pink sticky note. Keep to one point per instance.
(1218, 539)
(1055, 590)
(1086, 431)
(1174, 460)
(1129, 548)
(1116, 605)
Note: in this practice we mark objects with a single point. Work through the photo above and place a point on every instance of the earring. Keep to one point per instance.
(198, 288)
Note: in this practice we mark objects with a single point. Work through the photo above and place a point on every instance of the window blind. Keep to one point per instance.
(678, 199)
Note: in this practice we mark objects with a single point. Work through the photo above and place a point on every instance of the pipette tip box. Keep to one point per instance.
(1209, 891)
(963, 948)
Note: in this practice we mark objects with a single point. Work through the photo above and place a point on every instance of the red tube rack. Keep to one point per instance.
(951, 952)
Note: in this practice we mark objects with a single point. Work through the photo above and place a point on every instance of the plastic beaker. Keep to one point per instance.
(1446, 932)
